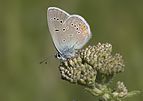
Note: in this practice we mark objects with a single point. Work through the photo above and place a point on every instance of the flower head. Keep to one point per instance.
(92, 64)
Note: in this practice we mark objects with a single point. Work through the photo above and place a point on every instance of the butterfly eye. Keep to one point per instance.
(54, 18)
(57, 19)
(77, 28)
(58, 56)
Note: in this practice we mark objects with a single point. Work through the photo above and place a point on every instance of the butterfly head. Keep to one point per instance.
(66, 54)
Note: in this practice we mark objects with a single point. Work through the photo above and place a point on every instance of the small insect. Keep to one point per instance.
(69, 32)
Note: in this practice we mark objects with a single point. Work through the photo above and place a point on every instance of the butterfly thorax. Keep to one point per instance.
(66, 53)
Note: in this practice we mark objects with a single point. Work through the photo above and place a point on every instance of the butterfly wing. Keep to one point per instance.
(69, 32)
(76, 32)
(56, 17)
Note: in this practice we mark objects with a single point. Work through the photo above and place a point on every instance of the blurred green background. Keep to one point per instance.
(25, 41)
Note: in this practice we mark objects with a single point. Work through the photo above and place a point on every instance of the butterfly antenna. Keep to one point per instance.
(44, 61)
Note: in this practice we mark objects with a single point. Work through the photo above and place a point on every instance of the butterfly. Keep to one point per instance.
(69, 32)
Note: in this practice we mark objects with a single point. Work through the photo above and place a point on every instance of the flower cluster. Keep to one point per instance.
(94, 64)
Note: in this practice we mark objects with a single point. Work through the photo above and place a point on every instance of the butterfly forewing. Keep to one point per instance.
(56, 17)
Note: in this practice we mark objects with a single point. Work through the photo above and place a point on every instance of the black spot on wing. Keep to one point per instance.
(56, 30)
